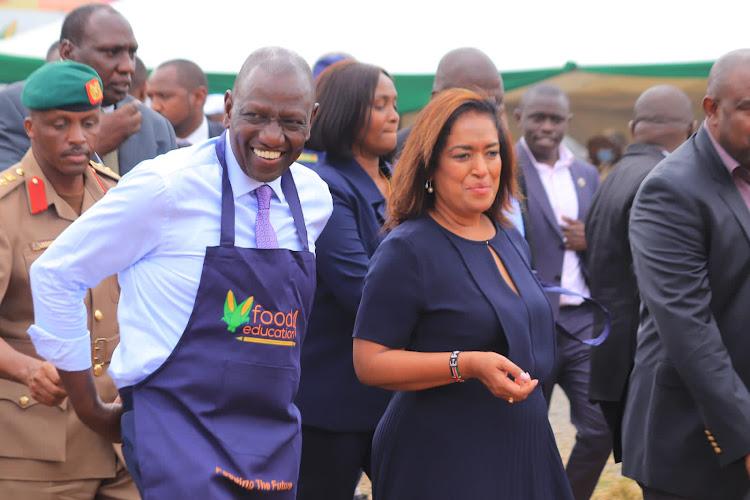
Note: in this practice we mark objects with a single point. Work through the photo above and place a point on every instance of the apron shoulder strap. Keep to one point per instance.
(292, 199)
(227, 196)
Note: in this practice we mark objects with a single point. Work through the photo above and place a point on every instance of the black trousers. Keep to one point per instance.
(332, 463)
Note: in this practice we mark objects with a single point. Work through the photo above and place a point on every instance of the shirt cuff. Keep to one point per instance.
(66, 354)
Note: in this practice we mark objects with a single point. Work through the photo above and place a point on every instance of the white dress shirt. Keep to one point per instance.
(198, 135)
(152, 230)
(560, 187)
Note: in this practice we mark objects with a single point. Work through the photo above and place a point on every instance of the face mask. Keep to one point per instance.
(605, 155)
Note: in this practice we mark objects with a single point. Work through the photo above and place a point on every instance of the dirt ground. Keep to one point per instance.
(612, 485)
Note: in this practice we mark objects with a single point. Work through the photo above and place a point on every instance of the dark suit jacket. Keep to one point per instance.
(612, 281)
(542, 228)
(330, 395)
(155, 136)
(686, 428)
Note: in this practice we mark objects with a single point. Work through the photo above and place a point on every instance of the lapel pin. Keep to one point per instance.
(581, 182)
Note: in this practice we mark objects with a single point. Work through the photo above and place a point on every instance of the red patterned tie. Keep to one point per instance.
(265, 236)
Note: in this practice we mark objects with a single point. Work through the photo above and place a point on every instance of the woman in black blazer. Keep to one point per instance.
(356, 128)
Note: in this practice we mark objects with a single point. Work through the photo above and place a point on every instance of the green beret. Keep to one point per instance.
(66, 85)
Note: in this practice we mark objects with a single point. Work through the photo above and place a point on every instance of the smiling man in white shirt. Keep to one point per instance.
(208, 362)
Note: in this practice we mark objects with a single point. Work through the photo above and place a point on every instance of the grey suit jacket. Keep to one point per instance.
(542, 228)
(686, 428)
(155, 136)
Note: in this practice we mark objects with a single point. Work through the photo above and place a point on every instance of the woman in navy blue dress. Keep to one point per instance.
(355, 127)
(450, 298)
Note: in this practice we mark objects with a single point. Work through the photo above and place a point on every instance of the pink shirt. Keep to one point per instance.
(740, 176)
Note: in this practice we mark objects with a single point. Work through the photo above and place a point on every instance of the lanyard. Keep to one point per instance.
(598, 340)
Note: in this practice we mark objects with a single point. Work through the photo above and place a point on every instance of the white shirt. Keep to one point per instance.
(198, 135)
(152, 230)
(560, 187)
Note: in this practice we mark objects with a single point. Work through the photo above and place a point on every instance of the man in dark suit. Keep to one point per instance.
(686, 428)
(97, 35)
(558, 190)
(178, 90)
(662, 120)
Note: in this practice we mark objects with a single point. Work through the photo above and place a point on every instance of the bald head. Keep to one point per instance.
(544, 91)
(662, 115)
(274, 61)
(663, 102)
(469, 68)
(723, 70)
(189, 75)
(727, 102)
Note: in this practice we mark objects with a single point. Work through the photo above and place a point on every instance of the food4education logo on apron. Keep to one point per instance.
(261, 326)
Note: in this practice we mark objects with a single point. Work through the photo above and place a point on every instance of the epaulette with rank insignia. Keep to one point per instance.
(37, 195)
(10, 180)
(102, 169)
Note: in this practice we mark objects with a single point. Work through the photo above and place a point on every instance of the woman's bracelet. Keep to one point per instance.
(453, 364)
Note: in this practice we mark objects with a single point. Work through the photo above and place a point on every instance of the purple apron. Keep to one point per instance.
(217, 420)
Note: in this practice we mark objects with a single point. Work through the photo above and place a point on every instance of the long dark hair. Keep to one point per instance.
(344, 92)
(423, 148)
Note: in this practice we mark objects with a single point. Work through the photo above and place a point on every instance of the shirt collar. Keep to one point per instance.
(729, 162)
(564, 161)
(200, 134)
(241, 183)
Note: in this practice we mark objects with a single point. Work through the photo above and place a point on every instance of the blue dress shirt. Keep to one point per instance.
(152, 230)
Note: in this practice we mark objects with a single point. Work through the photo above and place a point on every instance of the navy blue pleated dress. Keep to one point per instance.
(430, 290)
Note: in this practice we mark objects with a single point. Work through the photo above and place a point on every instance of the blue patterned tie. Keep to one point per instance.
(265, 236)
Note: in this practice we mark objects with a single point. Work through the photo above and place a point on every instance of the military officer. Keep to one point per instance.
(45, 451)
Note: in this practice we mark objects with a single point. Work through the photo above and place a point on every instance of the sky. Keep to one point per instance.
(410, 36)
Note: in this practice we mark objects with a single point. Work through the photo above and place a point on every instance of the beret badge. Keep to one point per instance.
(94, 91)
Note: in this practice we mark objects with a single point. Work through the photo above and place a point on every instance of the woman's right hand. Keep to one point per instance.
(495, 372)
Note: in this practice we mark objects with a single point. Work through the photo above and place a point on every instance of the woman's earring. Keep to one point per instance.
(428, 186)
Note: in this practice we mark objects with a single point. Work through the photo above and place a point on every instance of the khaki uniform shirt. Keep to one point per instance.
(39, 442)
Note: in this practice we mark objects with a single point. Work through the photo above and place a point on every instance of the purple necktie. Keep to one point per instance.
(265, 236)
